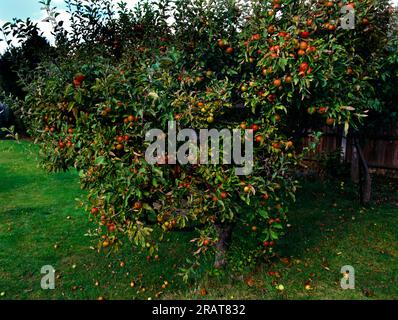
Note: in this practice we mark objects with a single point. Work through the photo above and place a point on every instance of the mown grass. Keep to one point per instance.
(40, 224)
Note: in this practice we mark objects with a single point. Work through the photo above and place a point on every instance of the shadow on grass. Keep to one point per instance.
(321, 211)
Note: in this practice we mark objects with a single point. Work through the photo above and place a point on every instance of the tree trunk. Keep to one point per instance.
(365, 178)
(224, 231)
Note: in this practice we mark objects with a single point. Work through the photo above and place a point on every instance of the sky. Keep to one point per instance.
(32, 8)
(23, 9)
(20, 8)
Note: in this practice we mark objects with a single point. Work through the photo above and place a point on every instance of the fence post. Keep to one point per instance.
(354, 163)
(365, 179)
(343, 148)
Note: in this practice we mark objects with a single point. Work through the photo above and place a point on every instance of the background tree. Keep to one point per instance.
(17, 63)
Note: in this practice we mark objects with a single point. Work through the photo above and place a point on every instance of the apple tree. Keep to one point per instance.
(279, 68)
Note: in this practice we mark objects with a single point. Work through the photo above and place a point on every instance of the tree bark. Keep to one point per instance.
(224, 231)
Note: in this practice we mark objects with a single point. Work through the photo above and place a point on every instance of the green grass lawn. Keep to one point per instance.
(40, 224)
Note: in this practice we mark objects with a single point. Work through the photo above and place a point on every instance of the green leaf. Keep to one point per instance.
(263, 213)
(100, 160)
(274, 235)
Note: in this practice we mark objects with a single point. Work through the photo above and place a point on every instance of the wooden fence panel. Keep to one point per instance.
(381, 152)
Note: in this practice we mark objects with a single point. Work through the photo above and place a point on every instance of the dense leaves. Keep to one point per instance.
(284, 69)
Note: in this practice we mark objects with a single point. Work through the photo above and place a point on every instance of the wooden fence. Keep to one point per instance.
(380, 151)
